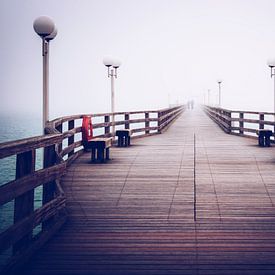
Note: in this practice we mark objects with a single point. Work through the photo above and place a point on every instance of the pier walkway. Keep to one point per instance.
(192, 200)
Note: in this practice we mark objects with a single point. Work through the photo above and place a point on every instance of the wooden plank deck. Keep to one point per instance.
(135, 214)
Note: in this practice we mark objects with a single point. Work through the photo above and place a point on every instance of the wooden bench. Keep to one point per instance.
(100, 146)
(100, 149)
(124, 137)
(264, 137)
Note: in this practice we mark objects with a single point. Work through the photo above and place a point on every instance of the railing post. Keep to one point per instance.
(165, 119)
(59, 129)
(24, 204)
(126, 118)
(107, 128)
(71, 138)
(159, 122)
(147, 123)
(261, 119)
(49, 188)
(241, 124)
(229, 122)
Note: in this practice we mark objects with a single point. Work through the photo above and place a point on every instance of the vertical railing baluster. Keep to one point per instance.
(159, 122)
(147, 123)
(24, 204)
(229, 122)
(241, 123)
(261, 121)
(49, 188)
(126, 118)
(59, 128)
(107, 127)
(71, 138)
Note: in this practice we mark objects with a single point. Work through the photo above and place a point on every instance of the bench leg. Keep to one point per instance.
(261, 141)
(100, 154)
(267, 141)
(120, 141)
(107, 153)
(93, 155)
(129, 141)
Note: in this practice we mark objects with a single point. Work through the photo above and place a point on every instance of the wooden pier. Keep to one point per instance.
(192, 200)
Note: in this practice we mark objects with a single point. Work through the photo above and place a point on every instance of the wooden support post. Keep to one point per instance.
(71, 138)
(100, 154)
(49, 188)
(261, 123)
(107, 153)
(59, 129)
(147, 123)
(159, 122)
(107, 128)
(229, 122)
(169, 115)
(24, 204)
(241, 124)
(126, 118)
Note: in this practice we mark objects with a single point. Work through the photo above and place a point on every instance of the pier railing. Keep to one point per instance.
(31, 227)
(241, 123)
(142, 123)
(51, 215)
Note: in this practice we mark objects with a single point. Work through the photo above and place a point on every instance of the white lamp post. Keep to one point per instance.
(45, 28)
(219, 81)
(271, 64)
(114, 64)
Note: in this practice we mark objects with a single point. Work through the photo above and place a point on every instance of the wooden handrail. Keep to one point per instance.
(23, 145)
(153, 122)
(56, 122)
(19, 235)
(18, 187)
(246, 126)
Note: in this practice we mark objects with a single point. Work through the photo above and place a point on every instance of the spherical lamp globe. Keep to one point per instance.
(43, 26)
(108, 61)
(52, 35)
(271, 62)
(117, 63)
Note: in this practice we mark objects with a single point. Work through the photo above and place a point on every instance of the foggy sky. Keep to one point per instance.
(174, 47)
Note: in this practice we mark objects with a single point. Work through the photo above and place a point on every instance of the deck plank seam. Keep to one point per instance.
(178, 179)
(261, 176)
(194, 183)
(212, 180)
(196, 249)
(126, 178)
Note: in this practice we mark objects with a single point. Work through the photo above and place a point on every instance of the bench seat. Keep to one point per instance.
(100, 149)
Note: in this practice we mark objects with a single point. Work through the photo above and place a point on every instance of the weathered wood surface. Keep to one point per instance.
(134, 215)
(241, 125)
(20, 146)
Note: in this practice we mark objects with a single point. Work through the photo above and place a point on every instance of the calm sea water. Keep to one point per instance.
(13, 128)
